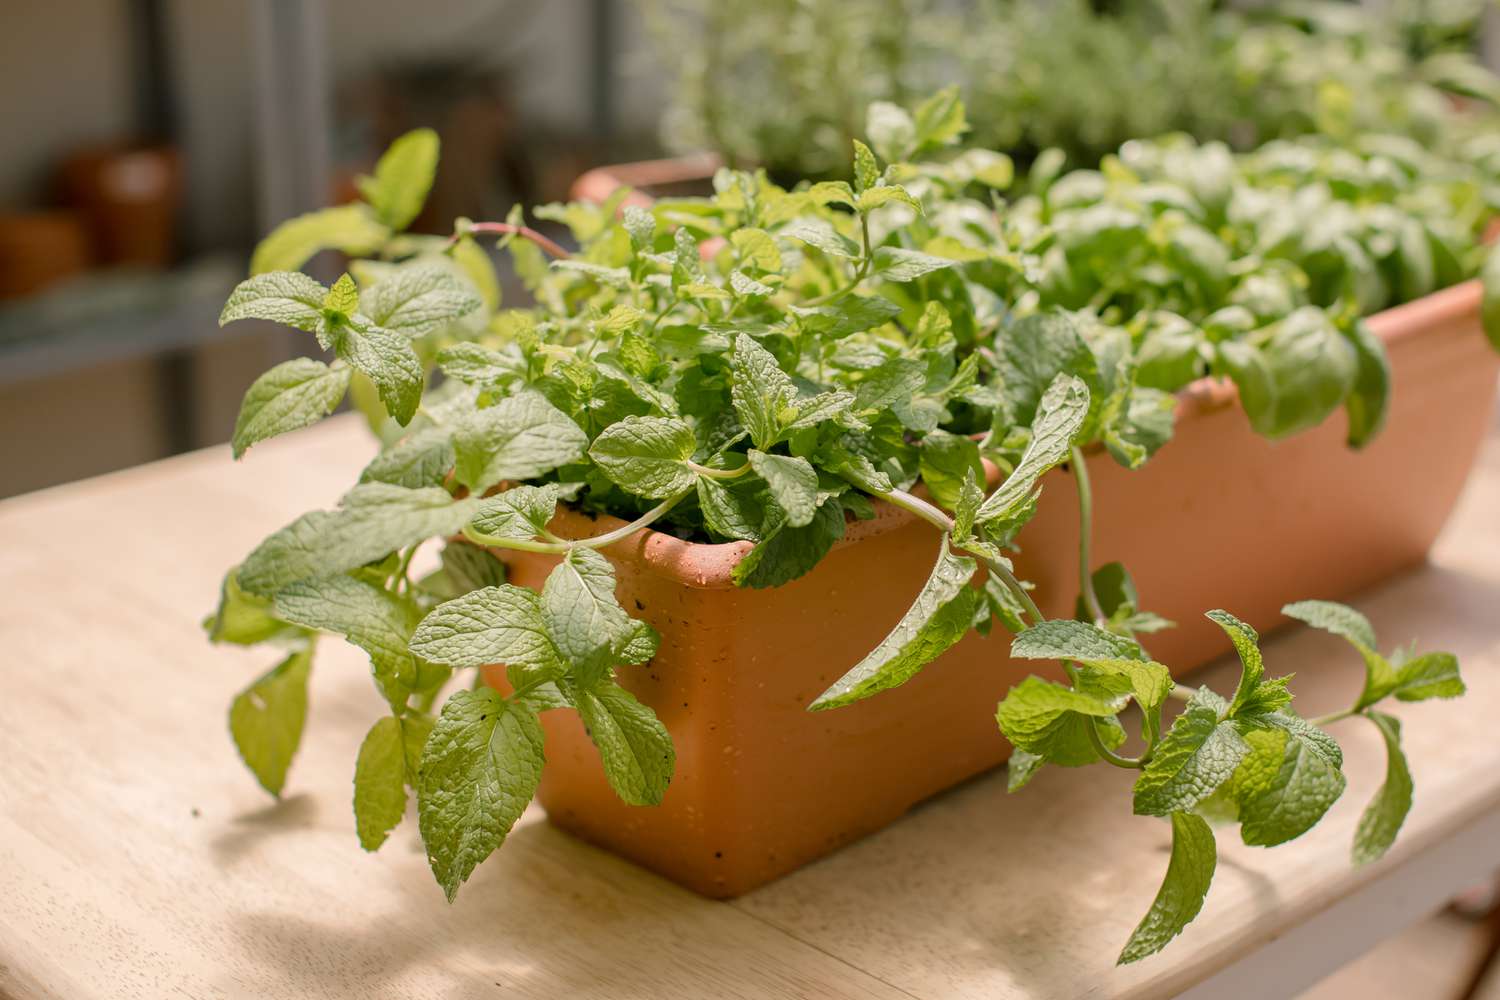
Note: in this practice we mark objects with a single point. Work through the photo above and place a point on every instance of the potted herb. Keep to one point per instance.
(675, 498)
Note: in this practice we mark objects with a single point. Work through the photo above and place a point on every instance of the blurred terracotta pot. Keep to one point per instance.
(38, 249)
(130, 197)
(1219, 518)
(648, 179)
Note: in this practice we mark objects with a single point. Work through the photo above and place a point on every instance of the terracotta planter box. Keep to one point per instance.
(1219, 518)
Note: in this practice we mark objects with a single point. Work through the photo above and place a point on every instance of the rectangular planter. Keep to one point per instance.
(1219, 518)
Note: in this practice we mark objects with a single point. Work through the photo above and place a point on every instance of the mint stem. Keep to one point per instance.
(525, 232)
(1085, 538)
(594, 542)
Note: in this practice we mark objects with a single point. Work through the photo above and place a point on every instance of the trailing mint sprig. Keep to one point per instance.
(760, 366)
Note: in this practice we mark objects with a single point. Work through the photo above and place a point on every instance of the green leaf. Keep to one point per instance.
(1197, 755)
(1052, 721)
(640, 224)
(286, 297)
(1189, 874)
(500, 624)
(1150, 683)
(634, 746)
(647, 456)
(1065, 639)
(244, 619)
(756, 249)
(416, 300)
(866, 173)
(731, 509)
(374, 520)
(1330, 616)
(891, 131)
(380, 783)
(403, 176)
(896, 264)
(1298, 373)
(1490, 307)
(480, 366)
(350, 229)
(343, 298)
(1020, 769)
(793, 483)
(762, 393)
(520, 437)
(1432, 675)
(1369, 399)
(883, 194)
(422, 458)
(294, 394)
(1030, 355)
(1059, 417)
(374, 619)
(939, 617)
(582, 616)
(786, 552)
(939, 120)
(469, 568)
(824, 237)
(1382, 818)
(1287, 782)
(266, 719)
(520, 512)
(389, 361)
(1247, 645)
(946, 462)
(480, 769)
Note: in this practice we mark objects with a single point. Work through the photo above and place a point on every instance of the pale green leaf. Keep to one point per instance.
(634, 746)
(793, 483)
(350, 229)
(266, 719)
(294, 394)
(647, 456)
(1189, 874)
(500, 624)
(287, 297)
(520, 437)
(403, 176)
(380, 783)
(1383, 817)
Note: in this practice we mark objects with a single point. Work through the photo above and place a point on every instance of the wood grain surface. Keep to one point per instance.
(139, 859)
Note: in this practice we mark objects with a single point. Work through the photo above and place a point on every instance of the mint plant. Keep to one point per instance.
(765, 364)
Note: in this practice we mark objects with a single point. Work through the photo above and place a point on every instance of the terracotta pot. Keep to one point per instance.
(130, 197)
(648, 179)
(38, 249)
(1219, 518)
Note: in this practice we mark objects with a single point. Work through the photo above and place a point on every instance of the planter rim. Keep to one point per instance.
(709, 565)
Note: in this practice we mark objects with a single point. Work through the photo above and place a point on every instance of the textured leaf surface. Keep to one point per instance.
(371, 617)
(1197, 755)
(292, 395)
(501, 624)
(1383, 817)
(1189, 874)
(647, 456)
(480, 769)
(793, 483)
(586, 623)
(418, 300)
(938, 618)
(634, 746)
(1052, 721)
(520, 437)
(380, 783)
(286, 297)
(1065, 639)
(1060, 414)
(388, 360)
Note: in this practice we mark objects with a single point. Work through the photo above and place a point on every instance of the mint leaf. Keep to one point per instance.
(762, 393)
(292, 395)
(520, 437)
(1064, 639)
(866, 173)
(1189, 874)
(1287, 782)
(244, 619)
(939, 120)
(374, 520)
(897, 264)
(350, 229)
(1382, 818)
(793, 484)
(946, 460)
(891, 131)
(380, 783)
(785, 552)
(730, 510)
(374, 619)
(1058, 418)
(520, 512)
(1247, 645)
(1052, 721)
(480, 769)
(501, 624)
(469, 568)
(286, 297)
(403, 176)
(939, 617)
(343, 298)
(1330, 616)
(1197, 755)
(1432, 675)
(1020, 769)
(266, 719)
(1300, 370)
(824, 237)
(481, 366)
(647, 456)
(422, 458)
(634, 746)
(1030, 355)
(389, 361)
(582, 616)
(416, 300)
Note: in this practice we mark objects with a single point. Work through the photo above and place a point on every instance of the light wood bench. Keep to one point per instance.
(138, 859)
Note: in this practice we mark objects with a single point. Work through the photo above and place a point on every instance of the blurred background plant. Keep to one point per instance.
(782, 84)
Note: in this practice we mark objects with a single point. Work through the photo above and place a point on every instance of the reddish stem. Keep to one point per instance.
(525, 232)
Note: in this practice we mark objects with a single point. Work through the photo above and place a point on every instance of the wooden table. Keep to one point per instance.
(138, 859)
